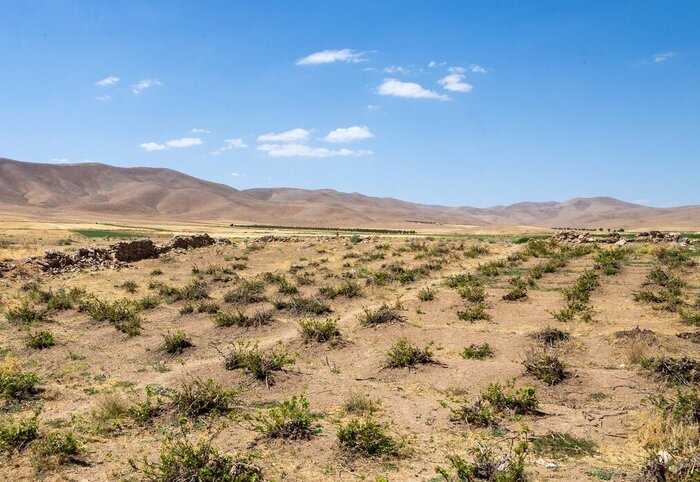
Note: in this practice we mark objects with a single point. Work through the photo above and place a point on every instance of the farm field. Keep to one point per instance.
(300, 356)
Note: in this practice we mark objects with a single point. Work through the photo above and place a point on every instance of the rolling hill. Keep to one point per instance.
(96, 191)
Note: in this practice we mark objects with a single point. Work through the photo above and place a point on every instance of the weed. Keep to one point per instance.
(426, 294)
(292, 419)
(176, 343)
(260, 364)
(198, 397)
(545, 367)
(473, 293)
(368, 438)
(56, 448)
(320, 331)
(17, 436)
(358, 404)
(405, 355)
(246, 292)
(300, 305)
(383, 314)
(684, 370)
(40, 339)
(487, 465)
(129, 286)
(186, 309)
(240, 319)
(474, 312)
(209, 307)
(520, 402)
(610, 261)
(16, 384)
(478, 352)
(563, 445)
(26, 314)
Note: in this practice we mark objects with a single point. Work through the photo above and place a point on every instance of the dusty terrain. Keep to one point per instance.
(94, 373)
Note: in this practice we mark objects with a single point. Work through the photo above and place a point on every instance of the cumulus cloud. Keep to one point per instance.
(171, 144)
(349, 134)
(293, 135)
(144, 84)
(197, 130)
(456, 70)
(663, 57)
(396, 88)
(477, 69)
(107, 81)
(59, 160)
(432, 64)
(455, 83)
(230, 144)
(303, 150)
(331, 56)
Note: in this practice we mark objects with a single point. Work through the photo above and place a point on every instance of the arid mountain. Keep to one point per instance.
(91, 191)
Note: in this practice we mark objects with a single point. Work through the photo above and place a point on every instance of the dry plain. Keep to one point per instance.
(581, 375)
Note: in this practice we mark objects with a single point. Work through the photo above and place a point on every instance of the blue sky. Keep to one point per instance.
(444, 102)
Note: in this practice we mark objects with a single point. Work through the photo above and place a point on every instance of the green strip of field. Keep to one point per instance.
(106, 233)
(323, 228)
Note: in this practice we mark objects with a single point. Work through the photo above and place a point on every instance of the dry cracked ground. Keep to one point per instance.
(338, 358)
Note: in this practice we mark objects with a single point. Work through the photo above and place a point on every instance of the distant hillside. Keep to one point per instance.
(36, 190)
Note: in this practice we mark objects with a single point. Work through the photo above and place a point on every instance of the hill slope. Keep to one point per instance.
(39, 190)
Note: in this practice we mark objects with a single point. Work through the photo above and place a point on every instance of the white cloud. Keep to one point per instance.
(302, 150)
(103, 98)
(294, 135)
(196, 130)
(477, 69)
(412, 90)
(455, 83)
(228, 145)
(396, 69)
(371, 107)
(433, 64)
(349, 134)
(456, 70)
(236, 174)
(330, 56)
(107, 81)
(145, 84)
(663, 57)
(171, 144)
(58, 160)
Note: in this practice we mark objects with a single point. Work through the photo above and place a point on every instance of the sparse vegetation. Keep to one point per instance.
(292, 419)
(403, 354)
(320, 331)
(477, 352)
(382, 315)
(40, 340)
(366, 437)
(261, 364)
(176, 343)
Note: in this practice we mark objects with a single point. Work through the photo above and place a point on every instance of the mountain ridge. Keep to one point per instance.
(40, 189)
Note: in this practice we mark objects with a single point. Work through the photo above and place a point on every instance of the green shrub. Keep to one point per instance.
(123, 314)
(40, 339)
(474, 312)
(56, 448)
(563, 445)
(367, 438)
(478, 352)
(320, 331)
(240, 319)
(675, 258)
(129, 286)
(18, 436)
(16, 384)
(198, 397)
(300, 305)
(383, 314)
(358, 404)
(195, 290)
(685, 408)
(404, 355)
(551, 336)
(260, 364)
(186, 309)
(176, 343)
(610, 261)
(26, 314)
(520, 402)
(209, 307)
(474, 293)
(182, 460)
(684, 370)
(292, 419)
(488, 466)
(246, 292)
(545, 367)
(426, 294)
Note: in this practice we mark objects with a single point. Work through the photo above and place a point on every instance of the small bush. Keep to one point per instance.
(478, 352)
(426, 294)
(610, 261)
(320, 331)
(182, 460)
(366, 437)
(176, 343)
(16, 384)
(195, 290)
(147, 303)
(520, 402)
(474, 312)
(383, 314)
(405, 355)
(40, 339)
(474, 293)
(247, 292)
(563, 445)
(358, 404)
(240, 319)
(488, 465)
(198, 397)
(546, 368)
(129, 286)
(551, 336)
(209, 307)
(26, 314)
(56, 448)
(260, 364)
(123, 314)
(186, 309)
(518, 291)
(292, 419)
(300, 305)
(17, 436)
(684, 370)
